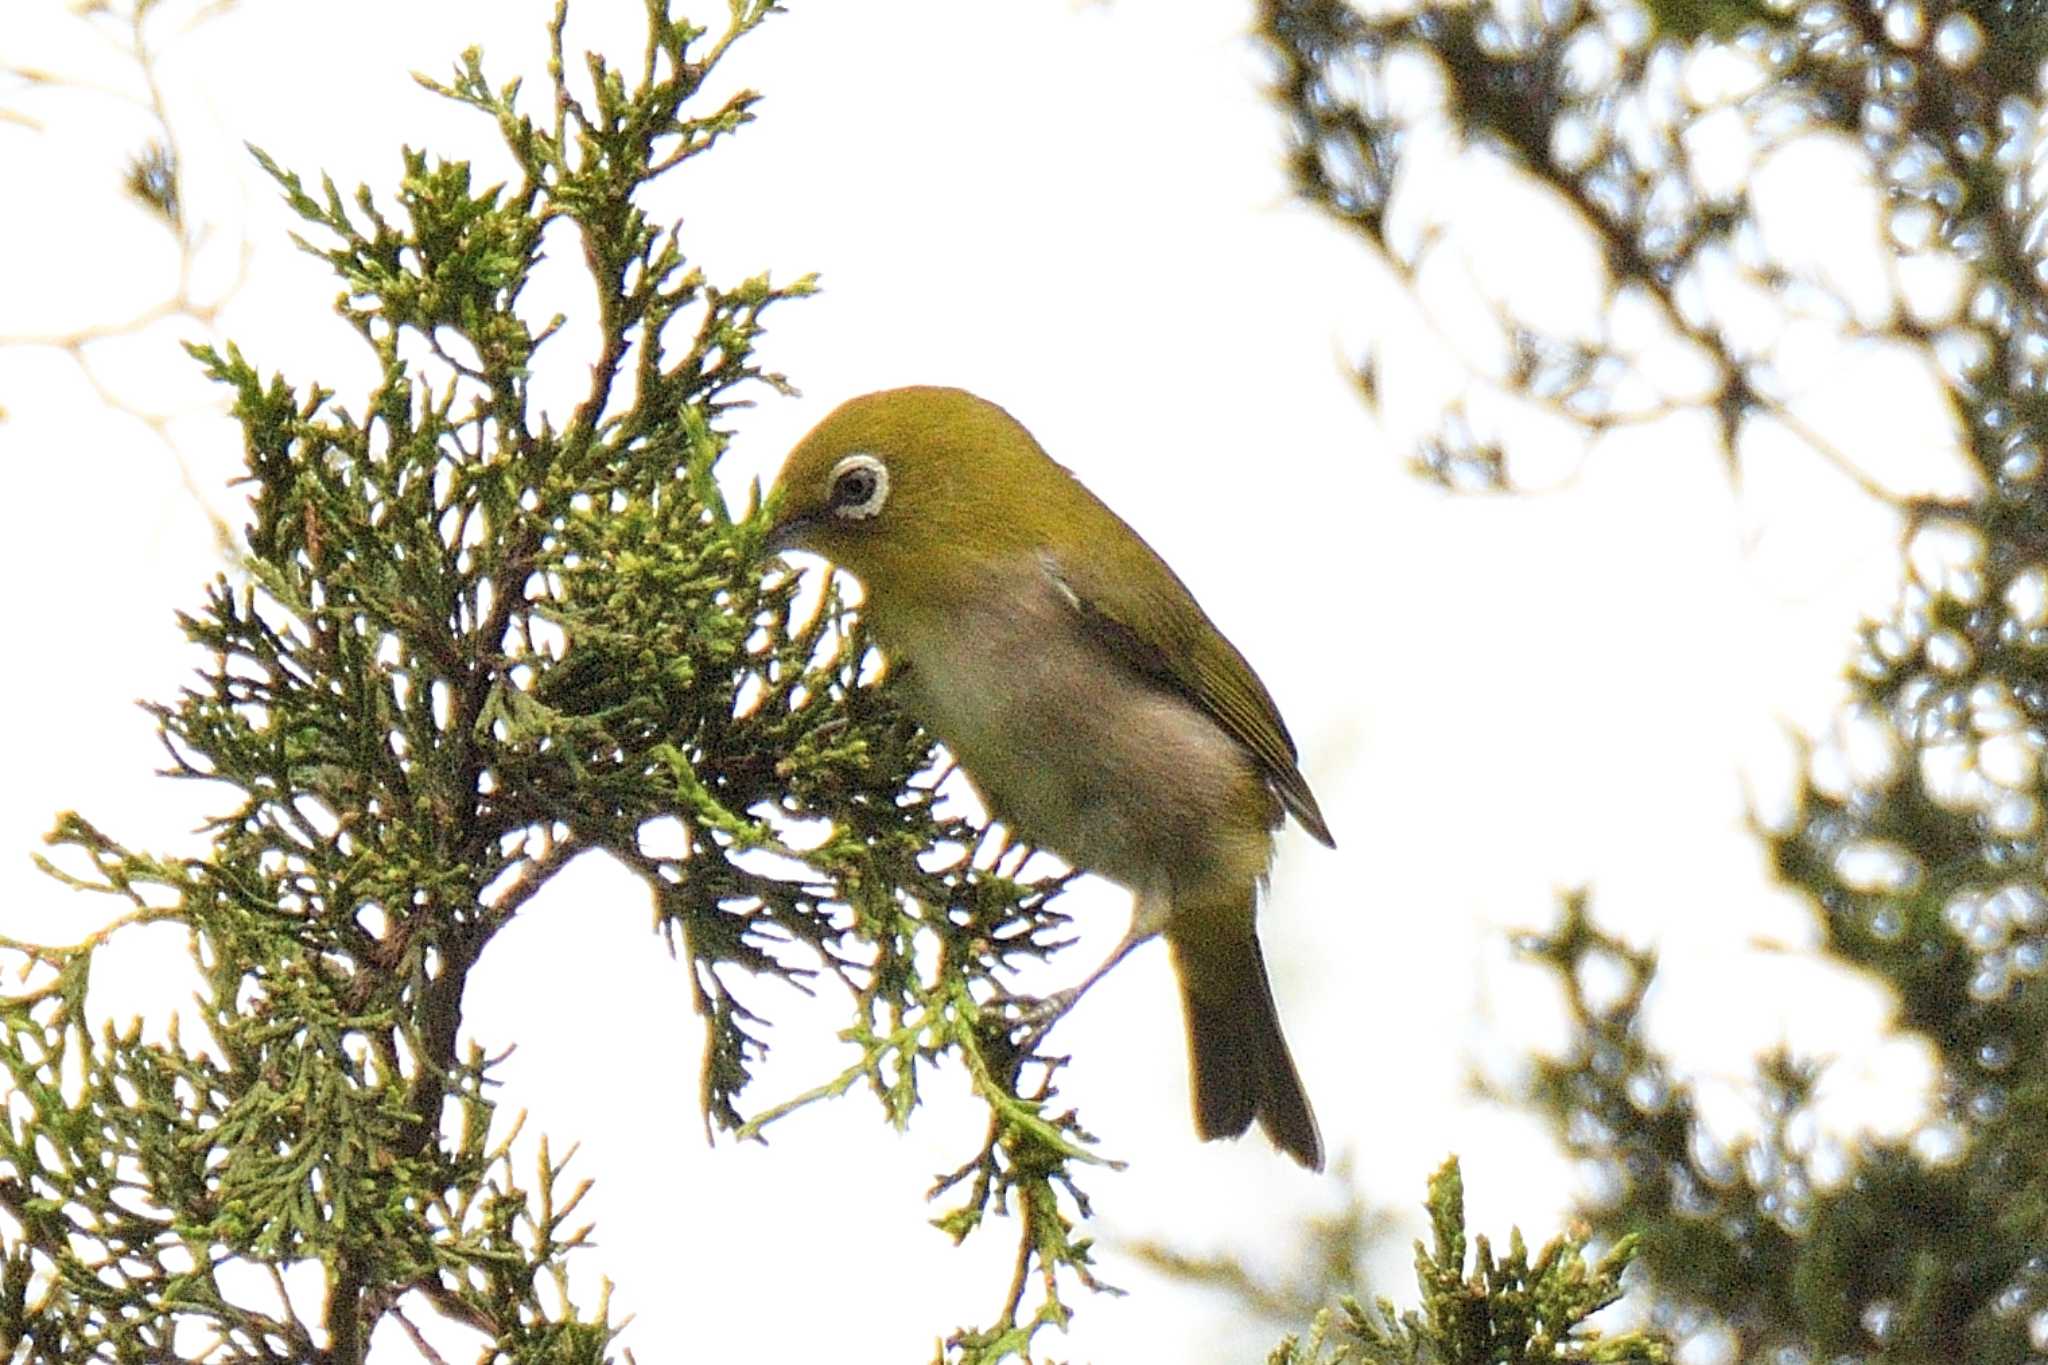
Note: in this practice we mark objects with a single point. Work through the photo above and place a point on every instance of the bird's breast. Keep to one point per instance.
(1073, 749)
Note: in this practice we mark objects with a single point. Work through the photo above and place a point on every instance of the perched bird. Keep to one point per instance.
(1092, 704)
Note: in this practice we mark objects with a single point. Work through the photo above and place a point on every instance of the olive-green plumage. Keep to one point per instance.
(1092, 703)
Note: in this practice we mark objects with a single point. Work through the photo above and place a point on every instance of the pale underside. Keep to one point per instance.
(1080, 754)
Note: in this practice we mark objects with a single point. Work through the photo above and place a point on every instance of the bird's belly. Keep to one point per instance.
(1080, 755)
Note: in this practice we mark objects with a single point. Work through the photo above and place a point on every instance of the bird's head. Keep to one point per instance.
(907, 486)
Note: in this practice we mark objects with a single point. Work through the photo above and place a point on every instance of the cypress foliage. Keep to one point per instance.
(1508, 1310)
(1916, 831)
(468, 641)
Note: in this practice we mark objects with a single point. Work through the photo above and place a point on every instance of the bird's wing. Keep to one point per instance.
(1188, 655)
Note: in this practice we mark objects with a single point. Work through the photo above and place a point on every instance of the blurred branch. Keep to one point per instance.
(1916, 832)
(1332, 1249)
(134, 35)
(1510, 93)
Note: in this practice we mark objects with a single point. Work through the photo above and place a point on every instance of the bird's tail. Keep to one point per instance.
(1239, 1065)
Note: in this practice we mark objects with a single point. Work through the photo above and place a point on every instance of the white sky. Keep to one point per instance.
(1081, 214)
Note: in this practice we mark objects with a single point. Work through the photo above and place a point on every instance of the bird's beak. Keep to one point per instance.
(786, 535)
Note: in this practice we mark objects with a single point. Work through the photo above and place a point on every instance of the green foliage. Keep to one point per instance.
(1916, 834)
(1926, 1257)
(469, 641)
(1483, 1311)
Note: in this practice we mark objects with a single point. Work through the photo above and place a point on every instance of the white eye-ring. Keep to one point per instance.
(857, 488)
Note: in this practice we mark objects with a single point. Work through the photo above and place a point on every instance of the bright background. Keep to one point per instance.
(1081, 213)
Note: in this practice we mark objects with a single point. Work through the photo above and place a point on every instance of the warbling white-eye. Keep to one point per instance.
(1093, 705)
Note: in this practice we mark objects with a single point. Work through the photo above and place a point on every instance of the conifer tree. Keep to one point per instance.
(465, 643)
(1916, 830)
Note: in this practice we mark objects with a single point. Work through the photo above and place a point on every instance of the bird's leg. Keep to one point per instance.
(1041, 1014)
(1036, 1017)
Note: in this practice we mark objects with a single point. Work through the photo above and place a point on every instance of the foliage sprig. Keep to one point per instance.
(1481, 1310)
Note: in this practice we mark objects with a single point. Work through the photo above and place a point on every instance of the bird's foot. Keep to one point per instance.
(1028, 1018)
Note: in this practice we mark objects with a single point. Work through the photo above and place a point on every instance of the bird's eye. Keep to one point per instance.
(859, 486)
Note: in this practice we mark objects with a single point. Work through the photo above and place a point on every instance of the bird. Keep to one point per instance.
(1093, 706)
